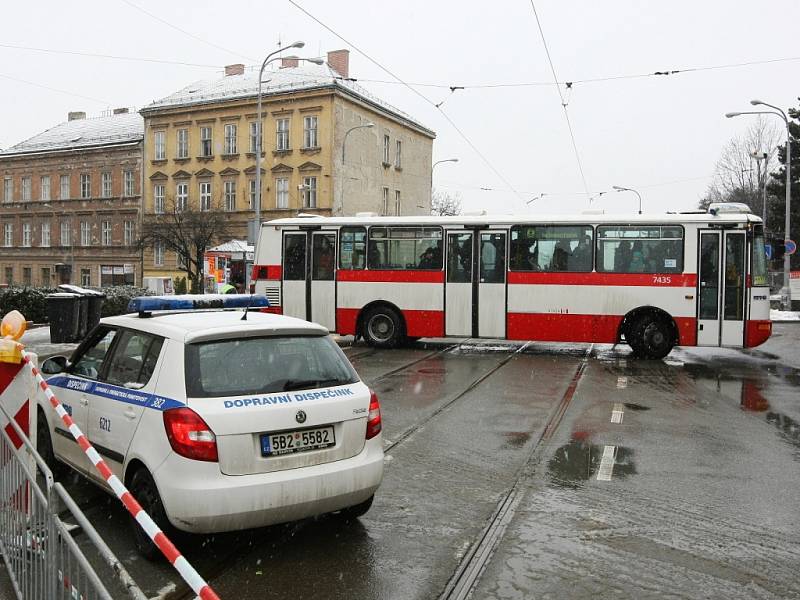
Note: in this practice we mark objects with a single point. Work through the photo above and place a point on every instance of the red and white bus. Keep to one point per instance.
(654, 281)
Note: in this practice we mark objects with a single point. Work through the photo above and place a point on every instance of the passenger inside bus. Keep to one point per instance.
(581, 259)
(561, 256)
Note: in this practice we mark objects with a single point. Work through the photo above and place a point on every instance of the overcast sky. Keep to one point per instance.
(659, 134)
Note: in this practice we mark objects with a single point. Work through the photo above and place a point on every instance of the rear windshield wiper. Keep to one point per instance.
(304, 384)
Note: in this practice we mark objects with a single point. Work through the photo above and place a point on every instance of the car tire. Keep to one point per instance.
(383, 327)
(145, 491)
(44, 445)
(354, 512)
(651, 337)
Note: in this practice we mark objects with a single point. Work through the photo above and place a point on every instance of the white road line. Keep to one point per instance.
(622, 382)
(618, 412)
(606, 464)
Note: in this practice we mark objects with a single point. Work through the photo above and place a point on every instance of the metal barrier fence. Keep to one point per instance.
(43, 560)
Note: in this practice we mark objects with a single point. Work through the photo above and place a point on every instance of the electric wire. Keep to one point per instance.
(417, 92)
(110, 56)
(52, 89)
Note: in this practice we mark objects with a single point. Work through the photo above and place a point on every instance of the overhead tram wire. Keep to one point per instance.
(52, 89)
(110, 56)
(417, 92)
(188, 33)
(563, 103)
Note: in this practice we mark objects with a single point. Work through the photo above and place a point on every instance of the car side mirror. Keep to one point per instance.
(54, 364)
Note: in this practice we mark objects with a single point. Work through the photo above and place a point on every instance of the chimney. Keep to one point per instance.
(289, 62)
(237, 69)
(120, 111)
(339, 61)
(75, 115)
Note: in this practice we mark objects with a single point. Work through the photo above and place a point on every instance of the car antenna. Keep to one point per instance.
(249, 301)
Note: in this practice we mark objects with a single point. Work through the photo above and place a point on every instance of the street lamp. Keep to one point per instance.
(758, 157)
(624, 189)
(253, 229)
(366, 125)
(786, 292)
(438, 162)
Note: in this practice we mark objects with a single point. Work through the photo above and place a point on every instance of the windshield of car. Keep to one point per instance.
(264, 365)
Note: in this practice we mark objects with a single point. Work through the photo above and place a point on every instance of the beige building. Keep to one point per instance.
(69, 209)
(329, 147)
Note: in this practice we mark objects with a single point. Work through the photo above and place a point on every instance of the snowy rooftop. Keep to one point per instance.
(232, 246)
(84, 133)
(280, 81)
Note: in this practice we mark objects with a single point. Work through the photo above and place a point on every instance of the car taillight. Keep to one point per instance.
(189, 435)
(374, 417)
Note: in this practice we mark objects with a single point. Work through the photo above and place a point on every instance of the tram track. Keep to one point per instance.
(467, 574)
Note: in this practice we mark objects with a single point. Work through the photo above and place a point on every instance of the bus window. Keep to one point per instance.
(551, 248)
(352, 248)
(323, 256)
(759, 268)
(640, 249)
(294, 256)
(405, 248)
(493, 258)
(459, 258)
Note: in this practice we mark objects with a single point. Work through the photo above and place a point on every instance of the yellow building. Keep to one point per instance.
(200, 143)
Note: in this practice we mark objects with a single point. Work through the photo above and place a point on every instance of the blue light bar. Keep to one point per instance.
(196, 302)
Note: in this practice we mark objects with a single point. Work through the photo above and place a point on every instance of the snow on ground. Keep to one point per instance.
(784, 315)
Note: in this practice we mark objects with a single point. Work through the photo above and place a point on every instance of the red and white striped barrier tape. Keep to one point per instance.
(168, 549)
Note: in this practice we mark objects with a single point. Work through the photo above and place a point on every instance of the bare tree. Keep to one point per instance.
(738, 176)
(187, 232)
(444, 204)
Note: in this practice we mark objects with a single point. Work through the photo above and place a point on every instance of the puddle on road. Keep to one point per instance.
(579, 460)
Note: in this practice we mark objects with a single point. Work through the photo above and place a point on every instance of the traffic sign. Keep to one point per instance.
(768, 250)
(790, 245)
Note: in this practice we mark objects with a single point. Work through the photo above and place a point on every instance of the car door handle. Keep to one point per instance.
(130, 414)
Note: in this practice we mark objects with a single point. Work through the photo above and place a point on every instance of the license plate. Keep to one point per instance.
(287, 442)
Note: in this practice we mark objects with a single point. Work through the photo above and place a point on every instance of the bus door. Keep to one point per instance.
(721, 288)
(458, 310)
(294, 273)
(491, 285)
(322, 285)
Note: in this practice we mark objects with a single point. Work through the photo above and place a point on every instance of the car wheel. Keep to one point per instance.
(353, 512)
(383, 327)
(44, 445)
(145, 491)
(651, 337)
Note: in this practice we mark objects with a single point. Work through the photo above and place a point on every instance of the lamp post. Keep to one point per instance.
(758, 157)
(438, 162)
(786, 292)
(624, 189)
(254, 224)
(366, 125)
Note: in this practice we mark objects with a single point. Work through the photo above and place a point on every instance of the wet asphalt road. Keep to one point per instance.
(542, 471)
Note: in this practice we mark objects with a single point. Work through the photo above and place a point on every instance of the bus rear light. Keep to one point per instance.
(764, 327)
(374, 417)
(189, 435)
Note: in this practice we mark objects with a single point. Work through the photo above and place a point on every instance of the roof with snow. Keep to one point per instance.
(232, 246)
(83, 133)
(280, 81)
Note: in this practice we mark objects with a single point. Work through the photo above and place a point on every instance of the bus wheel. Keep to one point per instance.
(651, 337)
(383, 327)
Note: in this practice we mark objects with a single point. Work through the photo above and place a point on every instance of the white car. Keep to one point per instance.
(217, 422)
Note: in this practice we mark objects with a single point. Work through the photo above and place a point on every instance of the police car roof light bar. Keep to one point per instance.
(147, 304)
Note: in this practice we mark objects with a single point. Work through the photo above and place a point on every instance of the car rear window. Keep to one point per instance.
(264, 365)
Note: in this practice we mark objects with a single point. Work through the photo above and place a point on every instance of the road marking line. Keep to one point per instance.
(622, 382)
(617, 413)
(606, 464)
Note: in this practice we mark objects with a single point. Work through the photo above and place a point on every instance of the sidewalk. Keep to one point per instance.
(38, 341)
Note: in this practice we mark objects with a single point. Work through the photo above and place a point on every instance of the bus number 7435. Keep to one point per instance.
(662, 279)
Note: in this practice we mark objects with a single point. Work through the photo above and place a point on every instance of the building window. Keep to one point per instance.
(386, 150)
(86, 277)
(66, 233)
(128, 178)
(397, 202)
(181, 197)
(310, 192)
(397, 153)
(86, 185)
(385, 201)
(255, 136)
(26, 189)
(282, 134)
(64, 185)
(105, 233)
(27, 278)
(45, 276)
(230, 195)
(26, 235)
(160, 143)
(230, 138)
(252, 195)
(44, 192)
(86, 233)
(158, 254)
(46, 234)
(8, 235)
(205, 196)
(130, 231)
(158, 198)
(205, 141)
(310, 132)
(8, 189)
(9, 275)
(105, 180)
(282, 193)
(183, 144)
